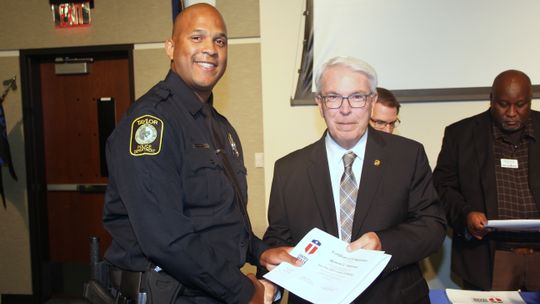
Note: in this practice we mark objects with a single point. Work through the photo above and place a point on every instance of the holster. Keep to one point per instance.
(97, 290)
(95, 293)
(126, 286)
(161, 288)
(149, 287)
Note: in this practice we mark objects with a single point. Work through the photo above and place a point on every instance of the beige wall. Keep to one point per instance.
(238, 97)
(28, 24)
(242, 17)
(14, 233)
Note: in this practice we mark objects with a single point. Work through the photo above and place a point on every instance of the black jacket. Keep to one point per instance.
(396, 199)
(465, 180)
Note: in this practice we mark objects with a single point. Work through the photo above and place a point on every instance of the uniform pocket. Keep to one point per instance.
(203, 181)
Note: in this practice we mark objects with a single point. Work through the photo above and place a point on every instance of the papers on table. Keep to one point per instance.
(514, 225)
(330, 274)
(457, 296)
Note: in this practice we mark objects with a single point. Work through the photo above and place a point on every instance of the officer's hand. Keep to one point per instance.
(258, 295)
(269, 291)
(476, 224)
(274, 256)
(369, 241)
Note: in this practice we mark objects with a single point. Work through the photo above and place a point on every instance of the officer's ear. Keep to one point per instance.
(169, 48)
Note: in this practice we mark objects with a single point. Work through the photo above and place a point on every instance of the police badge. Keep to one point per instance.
(233, 145)
(146, 135)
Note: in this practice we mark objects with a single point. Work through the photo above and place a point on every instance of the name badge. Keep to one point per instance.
(201, 146)
(509, 163)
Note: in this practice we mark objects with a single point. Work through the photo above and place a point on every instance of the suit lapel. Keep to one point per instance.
(483, 141)
(534, 160)
(319, 179)
(372, 172)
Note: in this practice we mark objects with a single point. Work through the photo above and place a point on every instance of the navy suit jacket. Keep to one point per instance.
(396, 199)
(465, 179)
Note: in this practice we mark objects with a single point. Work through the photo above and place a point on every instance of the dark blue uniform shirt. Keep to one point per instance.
(169, 201)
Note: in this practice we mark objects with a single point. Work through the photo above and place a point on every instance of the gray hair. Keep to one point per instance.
(354, 64)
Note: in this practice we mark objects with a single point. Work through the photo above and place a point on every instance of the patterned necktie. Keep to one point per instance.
(347, 197)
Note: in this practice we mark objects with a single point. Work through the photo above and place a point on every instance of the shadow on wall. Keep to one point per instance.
(436, 268)
(15, 189)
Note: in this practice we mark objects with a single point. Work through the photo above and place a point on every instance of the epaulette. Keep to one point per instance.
(162, 90)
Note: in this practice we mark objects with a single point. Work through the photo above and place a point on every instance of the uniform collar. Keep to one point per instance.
(188, 98)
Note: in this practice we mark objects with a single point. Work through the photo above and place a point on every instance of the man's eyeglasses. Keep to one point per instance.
(333, 101)
(381, 124)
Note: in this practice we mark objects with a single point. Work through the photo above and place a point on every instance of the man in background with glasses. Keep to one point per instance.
(371, 189)
(384, 113)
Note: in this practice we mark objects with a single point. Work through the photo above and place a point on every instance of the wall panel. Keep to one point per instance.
(14, 232)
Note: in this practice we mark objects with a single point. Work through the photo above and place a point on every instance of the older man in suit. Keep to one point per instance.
(489, 168)
(369, 188)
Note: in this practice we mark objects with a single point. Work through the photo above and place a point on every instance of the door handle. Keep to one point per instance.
(92, 188)
(81, 188)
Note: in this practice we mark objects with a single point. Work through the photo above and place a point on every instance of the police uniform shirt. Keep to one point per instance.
(169, 201)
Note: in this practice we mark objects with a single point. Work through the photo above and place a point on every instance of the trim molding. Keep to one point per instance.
(14, 53)
(450, 94)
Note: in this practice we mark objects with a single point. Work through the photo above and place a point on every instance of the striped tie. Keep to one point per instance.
(347, 197)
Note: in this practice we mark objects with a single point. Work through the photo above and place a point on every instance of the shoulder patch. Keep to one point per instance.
(146, 135)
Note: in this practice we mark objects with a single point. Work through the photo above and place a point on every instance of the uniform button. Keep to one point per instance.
(242, 244)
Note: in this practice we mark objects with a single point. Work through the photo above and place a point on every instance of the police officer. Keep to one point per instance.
(174, 204)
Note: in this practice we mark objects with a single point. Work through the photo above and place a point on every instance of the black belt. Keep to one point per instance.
(130, 284)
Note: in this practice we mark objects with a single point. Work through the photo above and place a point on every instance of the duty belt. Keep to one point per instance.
(135, 287)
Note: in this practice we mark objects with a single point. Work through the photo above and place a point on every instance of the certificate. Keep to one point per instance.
(457, 296)
(330, 274)
(514, 225)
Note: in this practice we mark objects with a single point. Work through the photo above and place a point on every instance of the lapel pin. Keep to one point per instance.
(377, 162)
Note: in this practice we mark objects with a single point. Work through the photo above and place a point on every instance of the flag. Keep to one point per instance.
(5, 154)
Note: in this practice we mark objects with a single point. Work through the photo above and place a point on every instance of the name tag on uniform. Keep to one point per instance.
(509, 163)
(201, 146)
